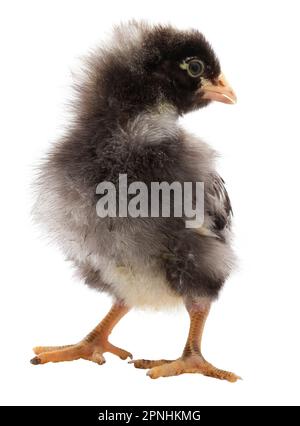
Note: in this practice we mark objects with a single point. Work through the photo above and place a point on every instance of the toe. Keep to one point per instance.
(121, 353)
(98, 358)
(40, 349)
(166, 370)
(141, 363)
(146, 363)
(217, 373)
(66, 354)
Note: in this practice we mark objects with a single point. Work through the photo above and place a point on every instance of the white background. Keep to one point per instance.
(253, 329)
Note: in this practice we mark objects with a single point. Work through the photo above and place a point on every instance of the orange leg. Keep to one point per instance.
(91, 347)
(191, 360)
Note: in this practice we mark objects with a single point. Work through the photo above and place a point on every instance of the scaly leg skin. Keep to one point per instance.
(191, 360)
(91, 347)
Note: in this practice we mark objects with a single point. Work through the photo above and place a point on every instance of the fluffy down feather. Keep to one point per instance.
(126, 121)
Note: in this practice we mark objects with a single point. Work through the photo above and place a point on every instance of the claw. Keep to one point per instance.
(35, 361)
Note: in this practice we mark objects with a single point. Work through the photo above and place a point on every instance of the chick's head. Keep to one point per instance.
(148, 65)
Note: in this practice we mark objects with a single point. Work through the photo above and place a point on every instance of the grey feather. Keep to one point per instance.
(144, 261)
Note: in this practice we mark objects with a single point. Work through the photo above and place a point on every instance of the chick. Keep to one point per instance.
(126, 123)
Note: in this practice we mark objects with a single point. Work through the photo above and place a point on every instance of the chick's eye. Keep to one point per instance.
(195, 68)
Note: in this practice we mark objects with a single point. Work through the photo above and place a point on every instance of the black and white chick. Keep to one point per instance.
(126, 123)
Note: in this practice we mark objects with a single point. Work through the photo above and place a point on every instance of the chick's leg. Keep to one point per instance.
(192, 360)
(91, 347)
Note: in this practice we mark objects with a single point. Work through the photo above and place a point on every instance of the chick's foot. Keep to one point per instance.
(189, 364)
(191, 360)
(92, 351)
(92, 347)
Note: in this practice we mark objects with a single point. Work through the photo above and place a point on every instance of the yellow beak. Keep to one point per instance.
(219, 91)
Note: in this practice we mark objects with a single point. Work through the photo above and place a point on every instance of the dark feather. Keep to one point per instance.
(220, 205)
